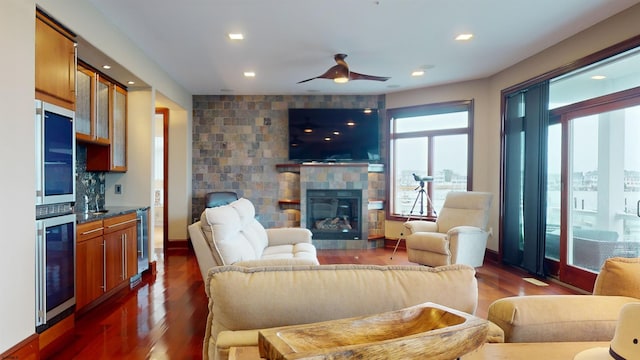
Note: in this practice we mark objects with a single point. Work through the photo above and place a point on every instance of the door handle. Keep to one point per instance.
(638, 208)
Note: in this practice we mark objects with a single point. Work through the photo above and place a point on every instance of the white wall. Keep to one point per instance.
(137, 182)
(17, 209)
(486, 92)
(179, 165)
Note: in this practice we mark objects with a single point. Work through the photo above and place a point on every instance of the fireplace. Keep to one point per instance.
(334, 214)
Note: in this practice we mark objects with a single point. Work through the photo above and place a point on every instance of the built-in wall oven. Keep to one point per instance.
(55, 154)
(55, 221)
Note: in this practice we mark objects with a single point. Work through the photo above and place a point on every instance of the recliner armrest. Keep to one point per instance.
(467, 245)
(465, 230)
(415, 226)
(288, 236)
(557, 318)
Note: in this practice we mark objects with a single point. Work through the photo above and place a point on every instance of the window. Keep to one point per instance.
(430, 141)
(570, 169)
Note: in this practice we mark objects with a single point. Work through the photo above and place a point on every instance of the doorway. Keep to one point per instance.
(160, 183)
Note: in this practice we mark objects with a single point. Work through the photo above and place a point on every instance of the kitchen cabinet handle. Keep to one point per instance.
(123, 240)
(92, 231)
(104, 266)
(122, 223)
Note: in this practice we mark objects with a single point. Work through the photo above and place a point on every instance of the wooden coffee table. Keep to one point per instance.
(512, 351)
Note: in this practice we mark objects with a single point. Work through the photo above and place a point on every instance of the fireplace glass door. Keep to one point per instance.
(334, 214)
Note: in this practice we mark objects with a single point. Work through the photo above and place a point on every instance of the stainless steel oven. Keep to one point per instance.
(55, 154)
(55, 269)
(55, 222)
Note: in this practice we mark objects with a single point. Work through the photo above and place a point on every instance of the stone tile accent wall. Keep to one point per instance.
(88, 182)
(238, 140)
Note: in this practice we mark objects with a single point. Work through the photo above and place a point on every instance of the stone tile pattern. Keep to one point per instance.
(88, 182)
(239, 139)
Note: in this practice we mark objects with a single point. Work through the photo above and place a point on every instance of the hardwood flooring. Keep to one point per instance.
(164, 316)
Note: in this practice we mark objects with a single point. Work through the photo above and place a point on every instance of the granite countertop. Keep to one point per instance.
(83, 217)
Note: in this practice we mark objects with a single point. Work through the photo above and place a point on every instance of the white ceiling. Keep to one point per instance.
(287, 41)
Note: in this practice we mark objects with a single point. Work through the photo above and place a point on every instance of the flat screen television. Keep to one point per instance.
(334, 135)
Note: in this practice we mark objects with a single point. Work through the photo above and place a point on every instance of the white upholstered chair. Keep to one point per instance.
(459, 234)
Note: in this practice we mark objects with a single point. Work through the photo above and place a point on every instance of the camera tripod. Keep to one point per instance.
(420, 196)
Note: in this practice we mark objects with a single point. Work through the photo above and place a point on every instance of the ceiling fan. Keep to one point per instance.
(341, 74)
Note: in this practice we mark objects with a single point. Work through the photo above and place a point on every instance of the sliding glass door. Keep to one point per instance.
(594, 213)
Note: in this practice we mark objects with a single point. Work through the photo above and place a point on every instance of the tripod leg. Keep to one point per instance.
(408, 218)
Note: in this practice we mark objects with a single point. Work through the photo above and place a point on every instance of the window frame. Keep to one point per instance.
(425, 110)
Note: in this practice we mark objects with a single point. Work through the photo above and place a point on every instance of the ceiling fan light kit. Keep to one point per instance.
(341, 74)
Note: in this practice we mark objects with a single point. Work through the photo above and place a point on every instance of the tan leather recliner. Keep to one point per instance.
(459, 234)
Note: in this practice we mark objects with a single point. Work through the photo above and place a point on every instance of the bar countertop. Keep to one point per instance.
(107, 212)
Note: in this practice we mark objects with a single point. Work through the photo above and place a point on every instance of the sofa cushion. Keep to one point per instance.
(250, 298)
(619, 276)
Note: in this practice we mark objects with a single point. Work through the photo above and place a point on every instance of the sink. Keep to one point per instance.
(100, 212)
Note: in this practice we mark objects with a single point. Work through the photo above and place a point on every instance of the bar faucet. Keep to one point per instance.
(86, 203)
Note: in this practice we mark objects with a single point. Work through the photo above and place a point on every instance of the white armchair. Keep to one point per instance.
(458, 236)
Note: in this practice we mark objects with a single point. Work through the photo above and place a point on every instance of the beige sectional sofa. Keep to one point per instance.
(231, 235)
(244, 300)
(561, 318)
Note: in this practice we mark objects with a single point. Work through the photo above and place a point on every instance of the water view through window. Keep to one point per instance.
(429, 145)
(604, 193)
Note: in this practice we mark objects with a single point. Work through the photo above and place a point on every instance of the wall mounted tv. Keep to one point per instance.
(329, 135)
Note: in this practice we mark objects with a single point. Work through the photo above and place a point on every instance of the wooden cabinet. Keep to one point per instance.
(111, 117)
(92, 125)
(89, 263)
(120, 241)
(119, 138)
(101, 120)
(55, 58)
(106, 256)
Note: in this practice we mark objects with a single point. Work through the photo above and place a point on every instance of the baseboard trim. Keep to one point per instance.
(391, 244)
(178, 244)
(28, 348)
(492, 256)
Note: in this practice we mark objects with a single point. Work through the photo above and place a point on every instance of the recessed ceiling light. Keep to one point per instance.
(367, 111)
(463, 37)
(249, 74)
(327, 139)
(131, 82)
(236, 36)
(107, 67)
(417, 73)
(598, 77)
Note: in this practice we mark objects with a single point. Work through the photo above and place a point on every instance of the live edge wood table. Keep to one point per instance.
(511, 351)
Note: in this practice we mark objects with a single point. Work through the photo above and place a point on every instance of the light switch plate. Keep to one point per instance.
(118, 189)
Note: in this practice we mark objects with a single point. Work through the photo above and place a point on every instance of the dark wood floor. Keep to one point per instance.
(164, 317)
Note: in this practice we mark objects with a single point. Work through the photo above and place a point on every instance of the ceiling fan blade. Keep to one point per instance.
(303, 81)
(357, 76)
(341, 70)
(333, 72)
